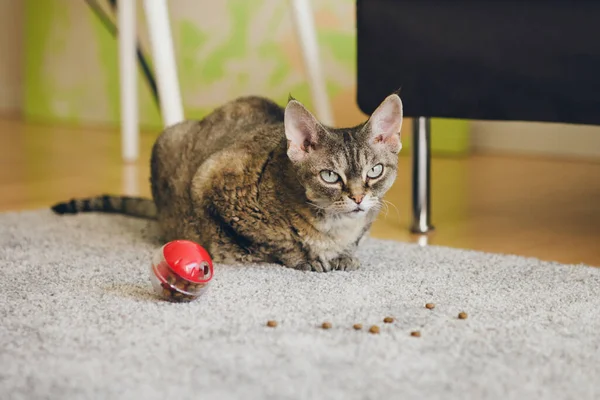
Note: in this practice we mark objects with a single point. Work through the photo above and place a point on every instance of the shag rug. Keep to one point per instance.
(79, 320)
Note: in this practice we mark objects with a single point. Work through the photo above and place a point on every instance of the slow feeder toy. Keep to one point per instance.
(181, 271)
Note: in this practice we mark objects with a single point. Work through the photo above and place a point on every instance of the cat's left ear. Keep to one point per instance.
(385, 123)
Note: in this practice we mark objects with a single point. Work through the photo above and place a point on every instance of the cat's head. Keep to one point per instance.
(345, 172)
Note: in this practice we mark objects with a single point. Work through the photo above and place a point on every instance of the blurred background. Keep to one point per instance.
(525, 188)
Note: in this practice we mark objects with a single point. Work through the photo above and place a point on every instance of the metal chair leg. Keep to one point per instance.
(421, 176)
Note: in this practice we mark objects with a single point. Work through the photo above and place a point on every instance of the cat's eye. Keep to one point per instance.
(375, 172)
(329, 176)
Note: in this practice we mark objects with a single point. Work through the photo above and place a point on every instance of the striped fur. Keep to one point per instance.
(132, 206)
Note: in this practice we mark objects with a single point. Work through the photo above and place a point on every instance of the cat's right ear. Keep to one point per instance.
(301, 131)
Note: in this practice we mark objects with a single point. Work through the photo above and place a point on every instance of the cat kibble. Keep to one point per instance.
(430, 306)
(181, 271)
(388, 320)
(462, 315)
(374, 329)
(357, 327)
(326, 325)
(271, 324)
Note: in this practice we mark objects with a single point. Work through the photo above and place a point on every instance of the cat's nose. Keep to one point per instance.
(358, 198)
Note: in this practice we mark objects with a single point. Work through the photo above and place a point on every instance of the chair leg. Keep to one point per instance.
(159, 31)
(306, 33)
(421, 175)
(126, 15)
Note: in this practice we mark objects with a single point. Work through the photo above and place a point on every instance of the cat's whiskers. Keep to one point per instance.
(386, 202)
(379, 205)
(320, 209)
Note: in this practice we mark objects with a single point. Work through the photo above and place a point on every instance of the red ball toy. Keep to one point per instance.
(181, 271)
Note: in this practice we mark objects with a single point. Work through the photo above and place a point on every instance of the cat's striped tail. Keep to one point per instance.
(133, 206)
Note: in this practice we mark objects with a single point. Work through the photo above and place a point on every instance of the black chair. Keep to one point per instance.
(484, 60)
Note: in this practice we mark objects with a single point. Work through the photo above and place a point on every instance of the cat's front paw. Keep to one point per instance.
(345, 263)
(314, 265)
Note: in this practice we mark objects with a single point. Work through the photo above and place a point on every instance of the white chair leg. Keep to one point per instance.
(159, 31)
(306, 32)
(126, 17)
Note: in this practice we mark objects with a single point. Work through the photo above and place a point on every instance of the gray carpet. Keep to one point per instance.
(79, 321)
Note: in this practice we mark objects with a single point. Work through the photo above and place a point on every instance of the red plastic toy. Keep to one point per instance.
(181, 271)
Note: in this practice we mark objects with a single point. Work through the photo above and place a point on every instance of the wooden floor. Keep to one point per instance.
(547, 209)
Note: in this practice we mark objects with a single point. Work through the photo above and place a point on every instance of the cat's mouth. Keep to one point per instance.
(357, 210)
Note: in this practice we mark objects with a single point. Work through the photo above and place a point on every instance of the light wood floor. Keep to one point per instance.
(547, 209)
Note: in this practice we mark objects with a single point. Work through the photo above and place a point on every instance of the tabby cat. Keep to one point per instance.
(255, 182)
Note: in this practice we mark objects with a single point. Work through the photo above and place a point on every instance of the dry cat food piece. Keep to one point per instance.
(326, 325)
(357, 327)
(174, 294)
(462, 315)
(374, 329)
(271, 324)
(388, 320)
(430, 306)
(181, 291)
(415, 334)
